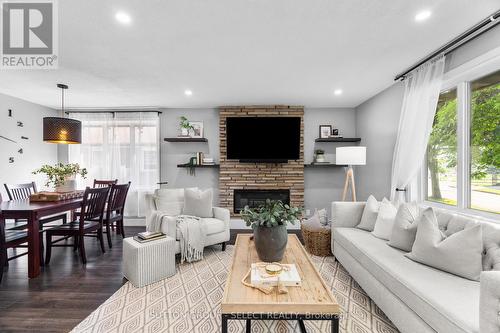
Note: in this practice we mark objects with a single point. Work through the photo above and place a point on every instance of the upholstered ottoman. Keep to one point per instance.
(146, 263)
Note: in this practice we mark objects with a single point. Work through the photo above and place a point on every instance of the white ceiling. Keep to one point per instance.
(238, 52)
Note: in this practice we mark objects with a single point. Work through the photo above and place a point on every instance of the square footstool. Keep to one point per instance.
(146, 263)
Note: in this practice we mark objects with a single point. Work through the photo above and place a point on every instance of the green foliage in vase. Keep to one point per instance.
(58, 173)
(185, 123)
(271, 214)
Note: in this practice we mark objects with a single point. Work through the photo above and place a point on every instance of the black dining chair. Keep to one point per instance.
(87, 224)
(104, 183)
(23, 191)
(115, 210)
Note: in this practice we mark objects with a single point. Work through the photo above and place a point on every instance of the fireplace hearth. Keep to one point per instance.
(255, 198)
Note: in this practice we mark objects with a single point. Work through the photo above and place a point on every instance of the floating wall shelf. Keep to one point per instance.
(186, 139)
(323, 165)
(338, 140)
(213, 166)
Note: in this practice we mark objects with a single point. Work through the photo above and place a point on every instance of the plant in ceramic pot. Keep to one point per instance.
(319, 156)
(185, 126)
(269, 223)
(62, 176)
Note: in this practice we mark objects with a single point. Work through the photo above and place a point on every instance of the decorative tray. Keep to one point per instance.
(55, 196)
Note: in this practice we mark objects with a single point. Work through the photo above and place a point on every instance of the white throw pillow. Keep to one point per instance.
(405, 227)
(459, 253)
(198, 203)
(172, 208)
(385, 220)
(346, 214)
(370, 214)
(323, 218)
(313, 223)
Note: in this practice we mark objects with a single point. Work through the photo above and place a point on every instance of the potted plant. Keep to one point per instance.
(319, 156)
(269, 223)
(62, 176)
(185, 126)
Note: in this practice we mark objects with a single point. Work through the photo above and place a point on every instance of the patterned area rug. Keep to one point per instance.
(190, 300)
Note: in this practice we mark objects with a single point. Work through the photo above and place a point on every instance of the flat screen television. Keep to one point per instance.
(263, 139)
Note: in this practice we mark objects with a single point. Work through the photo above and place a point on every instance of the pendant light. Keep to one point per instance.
(61, 129)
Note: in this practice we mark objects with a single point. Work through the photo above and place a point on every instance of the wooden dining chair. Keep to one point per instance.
(88, 224)
(10, 239)
(23, 191)
(115, 209)
(104, 183)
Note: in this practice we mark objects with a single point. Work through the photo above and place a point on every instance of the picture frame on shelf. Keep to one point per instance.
(325, 131)
(335, 131)
(197, 130)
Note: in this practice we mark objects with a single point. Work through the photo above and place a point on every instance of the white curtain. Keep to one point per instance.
(422, 87)
(123, 146)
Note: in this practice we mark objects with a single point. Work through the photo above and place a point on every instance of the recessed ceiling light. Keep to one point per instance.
(337, 92)
(123, 18)
(188, 92)
(423, 15)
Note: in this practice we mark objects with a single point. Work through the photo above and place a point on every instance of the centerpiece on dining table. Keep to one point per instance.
(62, 178)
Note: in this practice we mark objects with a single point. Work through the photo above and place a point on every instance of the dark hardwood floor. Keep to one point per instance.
(66, 292)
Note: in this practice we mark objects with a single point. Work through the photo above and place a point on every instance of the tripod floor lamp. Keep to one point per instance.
(350, 156)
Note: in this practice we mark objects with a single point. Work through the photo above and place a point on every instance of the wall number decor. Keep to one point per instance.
(13, 141)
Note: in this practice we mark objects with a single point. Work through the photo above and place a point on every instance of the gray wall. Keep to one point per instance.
(377, 120)
(377, 124)
(36, 152)
(321, 185)
(324, 185)
(177, 153)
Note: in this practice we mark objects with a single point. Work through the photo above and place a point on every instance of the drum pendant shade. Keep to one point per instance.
(61, 129)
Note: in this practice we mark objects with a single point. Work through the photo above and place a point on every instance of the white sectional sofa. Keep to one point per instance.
(415, 297)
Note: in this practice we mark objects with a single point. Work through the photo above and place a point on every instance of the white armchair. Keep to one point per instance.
(171, 202)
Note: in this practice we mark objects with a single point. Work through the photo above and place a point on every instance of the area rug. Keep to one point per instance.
(190, 300)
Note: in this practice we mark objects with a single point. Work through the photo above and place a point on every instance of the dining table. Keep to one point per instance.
(32, 212)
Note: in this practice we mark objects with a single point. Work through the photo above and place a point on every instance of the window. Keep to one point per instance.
(485, 144)
(463, 155)
(123, 146)
(442, 151)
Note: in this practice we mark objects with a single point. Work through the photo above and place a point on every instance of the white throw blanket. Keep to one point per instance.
(192, 234)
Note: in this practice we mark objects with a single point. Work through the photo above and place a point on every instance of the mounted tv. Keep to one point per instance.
(263, 139)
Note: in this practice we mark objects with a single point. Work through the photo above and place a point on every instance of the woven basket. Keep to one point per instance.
(317, 242)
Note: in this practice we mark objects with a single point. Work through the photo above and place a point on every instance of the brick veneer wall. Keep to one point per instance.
(235, 175)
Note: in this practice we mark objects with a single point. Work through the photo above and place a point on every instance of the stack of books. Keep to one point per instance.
(289, 277)
(149, 236)
(208, 161)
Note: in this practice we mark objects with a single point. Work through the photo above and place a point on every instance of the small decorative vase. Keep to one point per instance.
(270, 243)
(184, 132)
(320, 158)
(68, 186)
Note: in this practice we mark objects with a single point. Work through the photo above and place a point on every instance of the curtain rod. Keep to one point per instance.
(458, 41)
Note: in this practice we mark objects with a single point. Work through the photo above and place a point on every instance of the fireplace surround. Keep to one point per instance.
(235, 175)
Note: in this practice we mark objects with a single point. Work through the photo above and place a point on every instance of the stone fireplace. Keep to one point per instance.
(235, 176)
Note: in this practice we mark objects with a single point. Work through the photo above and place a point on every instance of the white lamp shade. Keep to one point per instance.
(351, 155)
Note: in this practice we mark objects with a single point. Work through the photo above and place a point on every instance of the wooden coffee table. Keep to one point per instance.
(313, 300)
